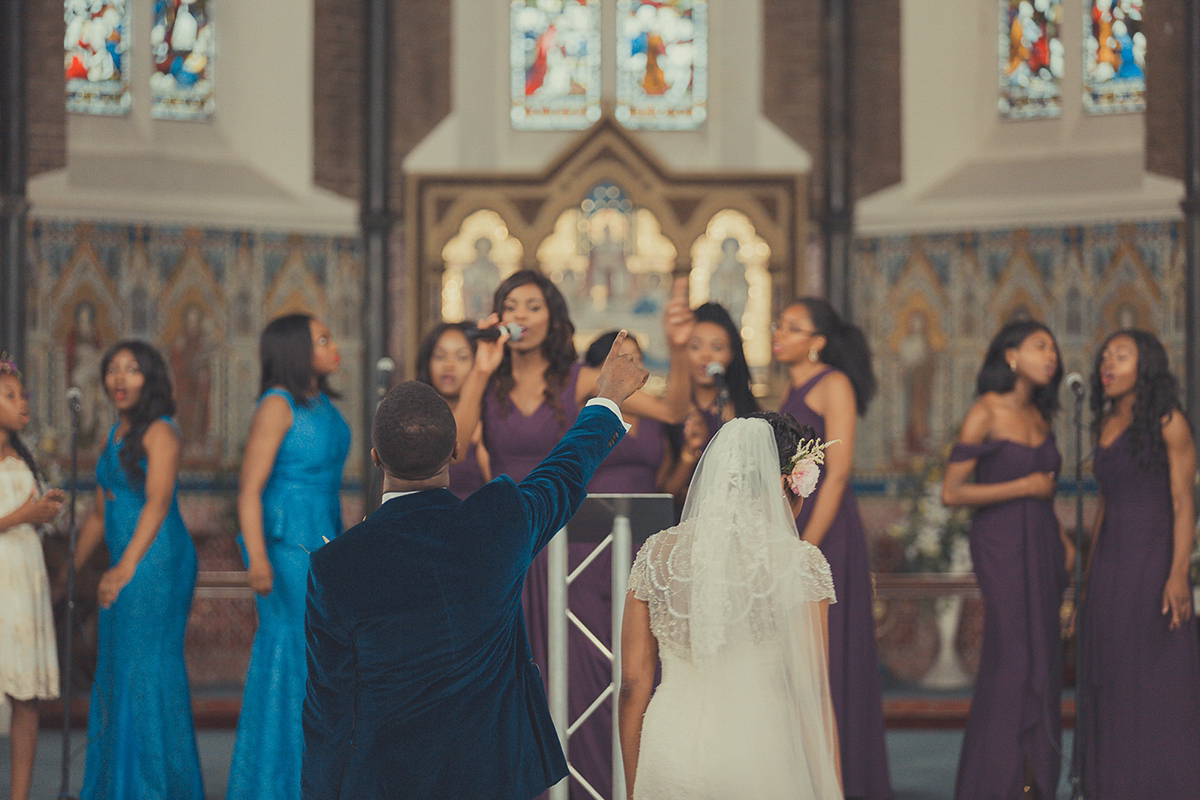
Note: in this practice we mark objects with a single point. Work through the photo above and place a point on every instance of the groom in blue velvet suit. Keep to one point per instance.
(420, 683)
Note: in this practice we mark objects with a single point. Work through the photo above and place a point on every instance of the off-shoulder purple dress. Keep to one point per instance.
(1015, 716)
(853, 656)
(517, 443)
(1140, 696)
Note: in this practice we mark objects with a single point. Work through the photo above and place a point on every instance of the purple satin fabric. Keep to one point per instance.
(1015, 716)
(1140, 687)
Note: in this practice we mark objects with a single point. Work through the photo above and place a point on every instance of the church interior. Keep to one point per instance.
(935, 168)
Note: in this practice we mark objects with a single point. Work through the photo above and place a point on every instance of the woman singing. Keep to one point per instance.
(1140, 687)
(831, 384)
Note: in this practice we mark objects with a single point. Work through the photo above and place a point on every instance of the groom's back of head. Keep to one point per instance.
(414, 431)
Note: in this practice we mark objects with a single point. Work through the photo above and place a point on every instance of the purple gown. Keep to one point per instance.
(853, 658)
(1015, 716)
(516, 444)
(1140, 701)
(466, 476)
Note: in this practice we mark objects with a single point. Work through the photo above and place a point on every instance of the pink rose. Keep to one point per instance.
(803, 478)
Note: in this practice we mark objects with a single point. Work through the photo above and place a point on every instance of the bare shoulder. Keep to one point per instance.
(160, 434)
(980, 418)
(831, 392)
(1175, 429)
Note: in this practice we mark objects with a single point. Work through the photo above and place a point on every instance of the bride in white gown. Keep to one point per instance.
(736, 606)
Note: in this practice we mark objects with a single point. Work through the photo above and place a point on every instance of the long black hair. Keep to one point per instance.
(156, 400)
(9, 369)
(845, 348)
(558, 346)
(1156, 395)
(425, 351)
(737, 374)
(286, 352)
(995, 375)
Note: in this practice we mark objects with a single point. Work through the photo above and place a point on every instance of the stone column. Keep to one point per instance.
(14, 208)
(837, 211)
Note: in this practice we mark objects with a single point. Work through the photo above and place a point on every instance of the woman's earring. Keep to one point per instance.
(1012, 365)
(813, 355)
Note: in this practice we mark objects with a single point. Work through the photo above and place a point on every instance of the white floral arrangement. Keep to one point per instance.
(804, 467)
(933, 538)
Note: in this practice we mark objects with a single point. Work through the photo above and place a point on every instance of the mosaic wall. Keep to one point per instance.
(929, 304)
(201, 297)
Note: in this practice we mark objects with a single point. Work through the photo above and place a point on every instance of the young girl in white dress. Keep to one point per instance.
(28, 656)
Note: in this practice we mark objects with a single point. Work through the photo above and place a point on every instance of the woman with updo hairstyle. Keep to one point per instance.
(830, 385)
(1140, 681)
(444, 361)
(141, 740)
(1012, 744)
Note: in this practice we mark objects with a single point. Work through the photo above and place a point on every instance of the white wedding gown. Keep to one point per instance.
(755, 720)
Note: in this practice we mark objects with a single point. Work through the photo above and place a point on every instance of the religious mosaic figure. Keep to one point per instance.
(728, 285)
(479, 280)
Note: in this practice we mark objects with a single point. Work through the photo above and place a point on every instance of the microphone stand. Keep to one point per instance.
(64, 792)
(1076, 775)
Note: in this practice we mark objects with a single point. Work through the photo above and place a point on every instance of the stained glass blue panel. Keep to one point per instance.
(662, 63)
(555, 62)
(182, 46)
(95, 56)
(1114, 56)
(1031, 58)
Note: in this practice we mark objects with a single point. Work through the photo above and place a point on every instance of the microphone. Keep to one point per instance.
(384, 368)
(716, 371)
(1075, 384)
(75, 399)
(492, 334)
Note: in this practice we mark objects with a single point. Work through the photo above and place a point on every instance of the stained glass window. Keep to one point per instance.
(95, 56)
(555, 61)
(662, 63)
(1031, 58)
(1114, 56)
(182, 47)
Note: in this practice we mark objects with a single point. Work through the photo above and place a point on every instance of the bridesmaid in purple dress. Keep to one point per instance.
(444, 360)
(715, 341)
(1012, 745)
(1140, 696)
(829, 365)
(526, 406)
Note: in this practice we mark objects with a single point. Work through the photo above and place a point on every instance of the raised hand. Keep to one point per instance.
(488, 355)
(677, 319)
(620, 376)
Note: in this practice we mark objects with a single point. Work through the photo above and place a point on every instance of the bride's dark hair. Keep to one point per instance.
(788, 434)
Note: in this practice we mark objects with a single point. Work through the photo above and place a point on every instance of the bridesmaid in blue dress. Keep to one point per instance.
(444, 360)
(141, 740)
(532, 399)
(288, 506)
(1140, 680)
(1012, 744)
(831, 383)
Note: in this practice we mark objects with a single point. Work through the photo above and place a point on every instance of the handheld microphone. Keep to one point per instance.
(75, 399)
(492, 334)
(384, 368)
(1075, 384)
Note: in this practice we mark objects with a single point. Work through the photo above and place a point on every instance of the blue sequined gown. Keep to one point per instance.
(300, 507)
(141, 740)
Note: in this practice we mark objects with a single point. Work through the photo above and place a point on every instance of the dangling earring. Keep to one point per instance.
(1012, 365)
(813, 355)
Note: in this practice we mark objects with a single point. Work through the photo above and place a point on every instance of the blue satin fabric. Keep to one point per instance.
(301, 509)
(421, 683)
(141, 740)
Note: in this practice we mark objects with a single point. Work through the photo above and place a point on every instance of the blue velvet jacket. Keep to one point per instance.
(420, 683)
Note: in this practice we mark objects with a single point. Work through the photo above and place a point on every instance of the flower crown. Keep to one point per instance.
(8, 366)
(804, 467)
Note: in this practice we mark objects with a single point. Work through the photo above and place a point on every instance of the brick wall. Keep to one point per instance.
(46, 113)
(1164, 20)
(794, 85)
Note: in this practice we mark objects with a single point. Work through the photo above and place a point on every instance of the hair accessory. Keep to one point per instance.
(804, 467)
(813, 355)
(8, 366)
